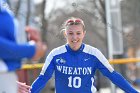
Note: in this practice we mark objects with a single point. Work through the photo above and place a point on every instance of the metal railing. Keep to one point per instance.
(114, 61)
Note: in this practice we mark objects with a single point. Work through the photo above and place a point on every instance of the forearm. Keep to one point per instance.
(121, 82)
(11, 50)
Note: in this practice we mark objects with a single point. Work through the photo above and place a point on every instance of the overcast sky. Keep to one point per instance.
(55, 4)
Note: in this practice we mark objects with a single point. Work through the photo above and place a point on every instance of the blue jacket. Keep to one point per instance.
(11, 53)
(74, 71)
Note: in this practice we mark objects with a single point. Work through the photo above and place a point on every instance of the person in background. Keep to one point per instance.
(75, 64)
(12, 53)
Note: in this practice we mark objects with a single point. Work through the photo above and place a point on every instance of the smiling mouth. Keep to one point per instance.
(75, 41)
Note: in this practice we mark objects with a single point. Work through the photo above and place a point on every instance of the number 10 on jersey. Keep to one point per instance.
(74, 82)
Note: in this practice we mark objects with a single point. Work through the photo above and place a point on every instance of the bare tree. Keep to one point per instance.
(28, 12)
(100, 6)
(44, 21)
(17, 8)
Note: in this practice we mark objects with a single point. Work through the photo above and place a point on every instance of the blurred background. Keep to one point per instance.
(112, 26)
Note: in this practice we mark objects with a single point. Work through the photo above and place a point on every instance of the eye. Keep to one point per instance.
(79, 33)
(70, 33)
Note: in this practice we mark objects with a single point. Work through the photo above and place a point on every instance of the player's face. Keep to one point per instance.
(74, 35)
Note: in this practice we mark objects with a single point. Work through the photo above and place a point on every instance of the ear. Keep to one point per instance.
(64, 33)
(84, 33)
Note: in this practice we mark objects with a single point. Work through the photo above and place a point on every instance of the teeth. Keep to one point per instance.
(74, 41)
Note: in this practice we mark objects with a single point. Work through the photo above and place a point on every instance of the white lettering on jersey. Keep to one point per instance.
(74, 70)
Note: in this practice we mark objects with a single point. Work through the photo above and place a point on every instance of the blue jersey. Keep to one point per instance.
(11, 53)
(74, 70)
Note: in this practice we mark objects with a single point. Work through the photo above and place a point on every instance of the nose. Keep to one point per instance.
(74, 36)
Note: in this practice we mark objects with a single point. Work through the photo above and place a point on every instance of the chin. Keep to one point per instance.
(75, 48)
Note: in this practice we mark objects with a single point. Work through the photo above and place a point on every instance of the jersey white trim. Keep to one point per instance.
(54, 52)
(94, 51)
(93, 89)
(3, 66)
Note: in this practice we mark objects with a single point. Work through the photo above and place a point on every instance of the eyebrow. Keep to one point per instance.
(72, 31)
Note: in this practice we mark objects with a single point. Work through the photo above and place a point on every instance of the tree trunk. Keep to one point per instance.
(44, 21)
(29, 12)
